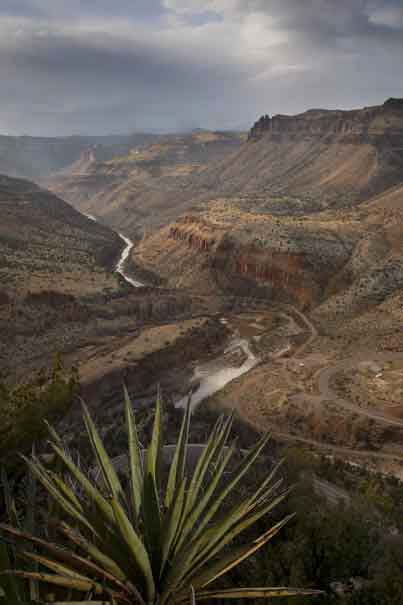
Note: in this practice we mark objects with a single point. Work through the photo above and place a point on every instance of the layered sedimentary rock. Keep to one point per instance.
(315, 160)
(147, 186)
(247, 254)
(382, 123)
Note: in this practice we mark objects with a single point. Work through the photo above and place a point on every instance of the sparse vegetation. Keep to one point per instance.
(24, 405)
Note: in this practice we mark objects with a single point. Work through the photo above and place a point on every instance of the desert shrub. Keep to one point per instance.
(24, 405)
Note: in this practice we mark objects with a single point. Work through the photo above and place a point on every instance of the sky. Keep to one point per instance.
(119, 66)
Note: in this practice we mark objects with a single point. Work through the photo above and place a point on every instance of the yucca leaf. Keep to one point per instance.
(177, 470)
(92, 492)
(238, 518)
(114, 556)
(108, 564)
(138, 552)
(151, 488)
(29, 523)
(220, 566)
(239, 473)
(73, 583)
(212, 452)
(210, 457)
(108, 471)
(9, 501)
(102, 522)
(66, 490)
(54, 566)
(192, 518)
(186, 559)
(152, 523)
(108, 571)
(38, 471)
(8, 584)
(261, 489)
(183, 558)
(136, 465)
(228, 532)
(31, 493)
(173, 519)
(103, 602)
(256, 593)
(153, 464)
(53, 433)
(202, 577)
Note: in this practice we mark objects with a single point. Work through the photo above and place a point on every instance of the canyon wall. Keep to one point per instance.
(288, 263)
(375, 124)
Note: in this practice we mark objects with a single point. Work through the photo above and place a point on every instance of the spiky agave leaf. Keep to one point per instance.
(178, 465)
(10, 591)
(256, 593)
(102, 570)
(147, 546)
(135, 460)
(108, 471)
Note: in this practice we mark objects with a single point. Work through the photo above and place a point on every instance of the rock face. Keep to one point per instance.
(380, 124)
(146, 186)
(315, 160)
(316, 223)
(248, 255)
(38, 157)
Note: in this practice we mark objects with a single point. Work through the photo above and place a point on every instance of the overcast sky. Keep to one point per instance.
(106, 66)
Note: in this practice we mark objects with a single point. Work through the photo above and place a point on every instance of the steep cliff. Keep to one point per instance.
(321, 158)
(145, 187)
(248, 254)
(38, 157)
(379, 124)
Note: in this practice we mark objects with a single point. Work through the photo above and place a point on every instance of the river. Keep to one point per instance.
(120, 266)
(214, 375)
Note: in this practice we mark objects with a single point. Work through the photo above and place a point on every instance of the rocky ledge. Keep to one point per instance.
(375, 124)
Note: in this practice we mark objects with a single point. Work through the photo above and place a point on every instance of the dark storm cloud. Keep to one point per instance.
(96, 66)
(130, 9)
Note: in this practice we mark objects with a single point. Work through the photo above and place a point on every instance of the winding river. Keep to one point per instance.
(120, 266)
(214, 375)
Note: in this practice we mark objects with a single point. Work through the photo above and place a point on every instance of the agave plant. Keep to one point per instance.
(158, 541)
(15, 591)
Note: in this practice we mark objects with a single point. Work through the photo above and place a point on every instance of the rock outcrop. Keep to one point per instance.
(377, 124)
(248, 255)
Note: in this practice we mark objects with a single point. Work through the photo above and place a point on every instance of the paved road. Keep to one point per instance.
(327, 393)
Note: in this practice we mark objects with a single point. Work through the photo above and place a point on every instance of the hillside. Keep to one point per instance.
(59, 293)
(317, 159)
(52, 259)
(45, 242)
(146, 187)
(289, 165)
(288, 247)
(38, 157)
(325, 209)
(308, 218)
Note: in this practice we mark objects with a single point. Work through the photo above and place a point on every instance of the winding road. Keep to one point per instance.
(326, 393)
(214, 383)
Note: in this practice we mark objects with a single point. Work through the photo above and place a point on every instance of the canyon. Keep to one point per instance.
(287, 243)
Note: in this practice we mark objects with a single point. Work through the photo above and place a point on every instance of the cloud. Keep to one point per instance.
(171, 64)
